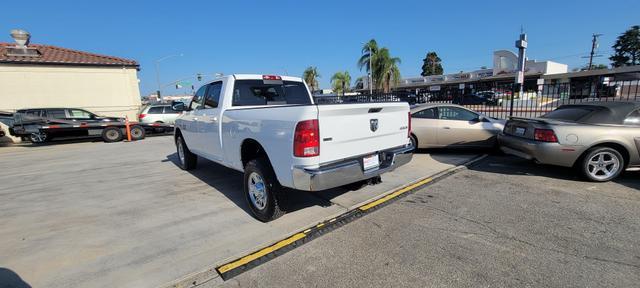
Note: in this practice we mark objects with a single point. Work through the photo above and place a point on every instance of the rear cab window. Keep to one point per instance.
(269, 92)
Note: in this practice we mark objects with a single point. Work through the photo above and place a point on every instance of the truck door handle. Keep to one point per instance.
(446, 128)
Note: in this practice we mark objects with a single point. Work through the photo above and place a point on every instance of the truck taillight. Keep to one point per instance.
(142, 116)
(409, 128)
(544, 135)
(306, 139)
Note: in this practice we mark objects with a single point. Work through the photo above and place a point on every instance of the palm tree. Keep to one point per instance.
(311, 76)
(341, 82)
(371, 46)
(368, 58)
(386, 71)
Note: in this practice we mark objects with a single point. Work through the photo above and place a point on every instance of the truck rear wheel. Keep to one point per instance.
(264, 194)
(111, 134)
(188, 160)
(137, 132)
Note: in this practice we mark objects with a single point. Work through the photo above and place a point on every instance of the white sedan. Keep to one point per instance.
(452, 126)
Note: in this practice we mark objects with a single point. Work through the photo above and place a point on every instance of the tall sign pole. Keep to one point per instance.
(521, 44)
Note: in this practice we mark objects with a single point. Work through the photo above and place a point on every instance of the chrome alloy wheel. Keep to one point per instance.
(38, 137)
(257, 191)
(603, 165)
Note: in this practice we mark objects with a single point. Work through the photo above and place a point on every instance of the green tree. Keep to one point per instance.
(594, 67)
(340, 81)
(359, 84)
(432, 65)
(367, 58)
(311, 76)
(385, 70)
(627, 48)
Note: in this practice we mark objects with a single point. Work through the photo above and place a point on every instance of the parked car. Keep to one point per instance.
(158, 113)
(452, 126)
(478, 98)
(43, 124)
(600, 139)
(269, 128)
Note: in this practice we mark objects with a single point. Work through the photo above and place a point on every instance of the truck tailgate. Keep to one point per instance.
(347, 130)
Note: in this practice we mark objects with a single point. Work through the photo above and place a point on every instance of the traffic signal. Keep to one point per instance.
(199, 76)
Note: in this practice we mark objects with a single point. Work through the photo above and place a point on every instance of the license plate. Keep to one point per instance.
(520, 130)
(371, 162)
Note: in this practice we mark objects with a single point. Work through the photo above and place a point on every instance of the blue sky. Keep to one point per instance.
(284, 37)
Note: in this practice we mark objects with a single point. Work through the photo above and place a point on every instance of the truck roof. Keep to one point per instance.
(259, 77)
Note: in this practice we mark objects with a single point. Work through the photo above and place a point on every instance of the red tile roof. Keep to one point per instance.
(52, 55)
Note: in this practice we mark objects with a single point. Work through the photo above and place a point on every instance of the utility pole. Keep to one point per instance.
(594, 46)
(521, 44)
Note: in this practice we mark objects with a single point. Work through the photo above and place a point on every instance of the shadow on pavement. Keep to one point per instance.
(230, 183)
(10, 279)
(509, 165)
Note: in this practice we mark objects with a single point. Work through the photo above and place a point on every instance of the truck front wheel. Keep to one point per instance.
(187, 159)
(262, 190)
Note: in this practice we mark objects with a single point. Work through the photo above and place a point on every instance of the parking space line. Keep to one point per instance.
(260, 253)
(394, 194)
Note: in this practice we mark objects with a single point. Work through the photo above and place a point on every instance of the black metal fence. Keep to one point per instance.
(504, 100)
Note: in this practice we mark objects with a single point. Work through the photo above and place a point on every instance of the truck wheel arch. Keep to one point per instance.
(251, 149)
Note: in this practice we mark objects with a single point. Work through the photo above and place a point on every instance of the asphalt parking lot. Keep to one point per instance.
(503, 222)
(91, 214)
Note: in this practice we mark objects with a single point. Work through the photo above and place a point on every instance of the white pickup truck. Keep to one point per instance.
(268, 127)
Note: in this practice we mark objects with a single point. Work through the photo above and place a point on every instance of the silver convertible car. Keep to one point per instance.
(600, 139)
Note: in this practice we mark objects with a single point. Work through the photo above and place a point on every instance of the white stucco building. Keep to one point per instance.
(45, 76)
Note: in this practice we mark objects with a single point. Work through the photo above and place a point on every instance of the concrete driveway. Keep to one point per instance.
(124, 215)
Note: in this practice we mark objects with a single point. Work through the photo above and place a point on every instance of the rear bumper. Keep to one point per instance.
(349, 171)
(543, 152)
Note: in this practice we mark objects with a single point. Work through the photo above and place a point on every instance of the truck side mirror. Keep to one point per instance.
(178, 106)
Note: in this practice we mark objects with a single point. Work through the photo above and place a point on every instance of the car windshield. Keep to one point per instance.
(568, 113)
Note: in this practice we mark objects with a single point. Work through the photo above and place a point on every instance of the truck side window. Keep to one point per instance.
(213, 95)
(196, 101)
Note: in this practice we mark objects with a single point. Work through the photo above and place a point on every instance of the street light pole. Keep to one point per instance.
(158, 72)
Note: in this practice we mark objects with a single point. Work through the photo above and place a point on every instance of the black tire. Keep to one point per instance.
(137, 132)
(186, 159)
(112, 134)
(414, 142)
(601, 164)
(159, 130)
(273, 194)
